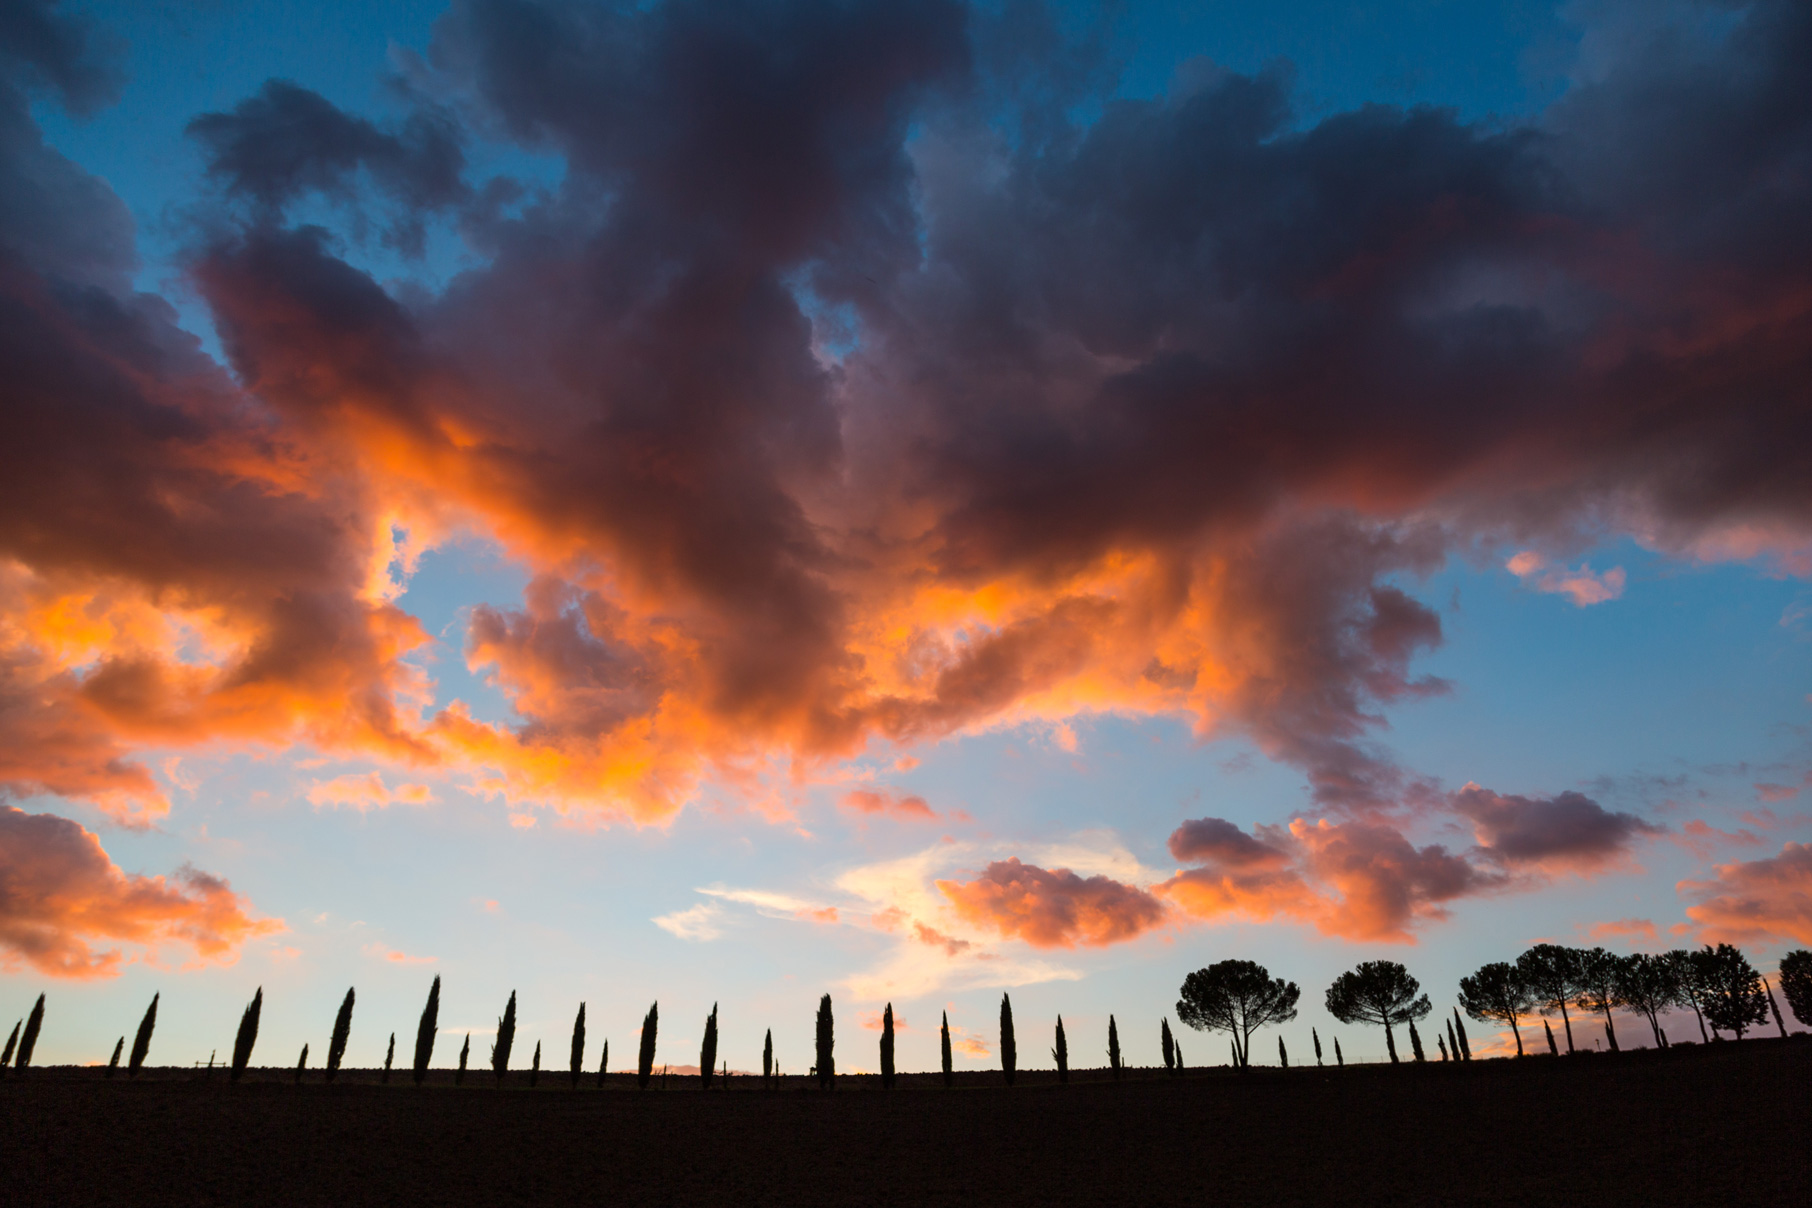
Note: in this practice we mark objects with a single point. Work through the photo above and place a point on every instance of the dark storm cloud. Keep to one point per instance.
(42, 48)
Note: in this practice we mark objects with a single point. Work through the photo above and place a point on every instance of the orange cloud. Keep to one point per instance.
(1755, 901)
(1055, 908)
(872, 1021)
(367, 792)
(937, 939)
(911, 807)
(63, 896)
(395, 957)
(1623, 929)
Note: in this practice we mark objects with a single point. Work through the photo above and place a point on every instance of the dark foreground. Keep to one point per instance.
(1721, 1125)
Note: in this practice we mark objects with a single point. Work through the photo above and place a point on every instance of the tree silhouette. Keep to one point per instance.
(1060, 1053)
(242, 1043)
(1167, 1045)
(1415, 1042)
(1453, 1041)
(887, 1048)
(1553, 1049)
(12, 1042)
(767, 1061)
(29, 1040)
(578, 1050)
(505, 1041)
(301, 1064)
(1459, 1027)
(1441, 1043)
(141, 1043)
(1598, 988)
(1496, 993)
(1649, 985)
(1796, 984)
(1176, 1047)
(1552, 973)
(342, 1030)
(944, 1043)
(465, 1053)
(1009, 1052)
(426, 1031)
(1113, 1047)
(1733, 989)
(1283, 1054)
(1380, 992)
(114, 1065)
(389, 1057)
(534, 1073)
(1339, 1059)
(1775, 1008)
(644, 1065)
(826, 1045)
(707, 1050)
(1692, 994)
(1236, 997)
(1316, 1037)
(603, 1063)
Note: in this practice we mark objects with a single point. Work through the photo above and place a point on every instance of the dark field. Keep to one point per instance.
(1726, 1124)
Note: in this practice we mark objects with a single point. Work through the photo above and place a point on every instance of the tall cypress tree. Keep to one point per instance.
(506, 1040)
(1459, 1028)
(1009, 1051)
(1316, 1037)
(12, 1042)
(1060, 1053)
(465, 1052)
(644, 1068)
(29, 1040)
(1441, 1041)
(1169, 1043)
(1176, 1046)
(1553, 1049)
(114, 1065)
(1415, 1042)
(887, 1048)
(1113, 1047)
(944, 1039)
(342, 1030)
(426, 1031)
(389, 1058)
(707, 1051)
(1339, 1060)
(534, 1073)
(604, 1063)
(767, 1061)
(301, 1064)
(248, 1034)
(1453, 1041)
(1283, 1054)
(826, 1045)
(141, 1043)
(578, 1055)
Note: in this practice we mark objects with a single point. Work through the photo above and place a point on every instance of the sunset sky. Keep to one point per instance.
(722, 502)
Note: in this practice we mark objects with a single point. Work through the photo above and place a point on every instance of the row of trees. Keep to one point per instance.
(1720, 986)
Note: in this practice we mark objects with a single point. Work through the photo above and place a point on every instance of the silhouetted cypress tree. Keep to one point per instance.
(1776, 1008)
(1415, 1042)
(534, 1074)
(644, 1069)
(944, 1038)
(707, 1051)
(114, 1065)
(1113, 1047)
(506, 1040)
(1177, 1047)
(1453, 1042)
(248, 1034)
(1553, 1049)
(887, 1048)
(301, 1064)
(465, 1051)
(578, 1059)
(29, 1040)
(1164, 1037)
(1339, 1060)
(604, 1063)
(1283, 1054)
(426, 1031)
(12, 1042)
(342, 1029)
(1441, 1043)
(1009, 1051)
(141, 1043)
(827, 1040)
(1316, 1037)
(1060, 1053)
(1459, 1028)
(767, 1061)
(389, 1058)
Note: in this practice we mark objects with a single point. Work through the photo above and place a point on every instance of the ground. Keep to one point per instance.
(1722, 1124)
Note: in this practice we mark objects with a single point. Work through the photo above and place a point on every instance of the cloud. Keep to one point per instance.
(1582, 586)
(885, 803)
(1568, 832)
(61, 897)
(1756, 901)
(383, 952)
(698, 923)
(1629, 929)
(871, 1020)
(364, 793)
(1053, 908)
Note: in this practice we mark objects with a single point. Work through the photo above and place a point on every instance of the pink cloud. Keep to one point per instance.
(1054, 908)
(1580, 584)
(1623, 929)
(395, 957)
(367, 792)
(885, 803)
(1755, 901)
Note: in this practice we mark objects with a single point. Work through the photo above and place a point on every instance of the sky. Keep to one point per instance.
(726, 503)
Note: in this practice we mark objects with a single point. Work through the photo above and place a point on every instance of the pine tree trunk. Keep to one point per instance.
(1390, 1042)
(1564, 1019)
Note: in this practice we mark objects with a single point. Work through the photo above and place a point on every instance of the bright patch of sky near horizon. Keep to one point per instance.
(1670, 701)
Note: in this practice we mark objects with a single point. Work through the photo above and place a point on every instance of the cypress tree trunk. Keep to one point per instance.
(1339, 1060)
(389, 1058)
(1009, 1051)
(644, 1069)
(301, 1064)
(826, 1045)
(1553, 1049)
(426, 1031)
(604, 1063)
(141, 1043)
(1170, 1057)
(1113, 1047)
(887, 1048)
(114, 1065)
(1060, 1053)
(1415, 1042)
(707, 1052)
(12, 1042)
(1283, 1054)
(949, 1074)
(33, 1023)
(465, 1051)
(505, 1041)
(767, 1061)
(1459, 1028)
(342, 1029)
(534, 1074)
(1316, 1037)
(242, 1043)
(578, 1063)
